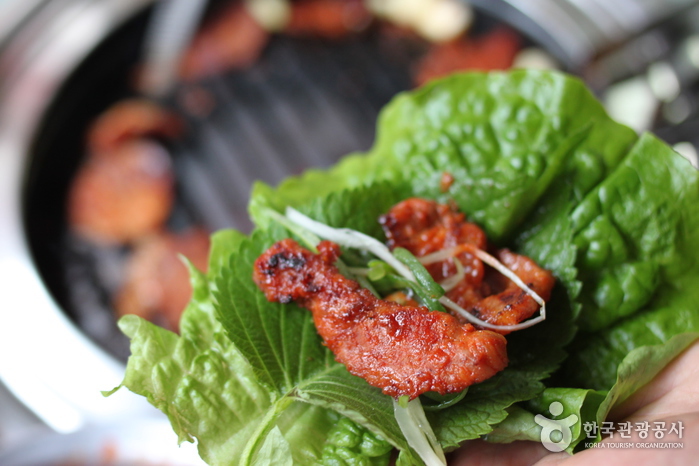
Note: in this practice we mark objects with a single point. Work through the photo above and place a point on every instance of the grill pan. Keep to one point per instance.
(305, 103)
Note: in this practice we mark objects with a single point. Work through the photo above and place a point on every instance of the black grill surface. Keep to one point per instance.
(305, 103)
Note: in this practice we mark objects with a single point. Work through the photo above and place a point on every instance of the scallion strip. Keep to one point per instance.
(418, 432)
(349, 238)
(422, 276)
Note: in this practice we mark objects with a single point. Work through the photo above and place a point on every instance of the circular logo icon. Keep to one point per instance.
(549, 426)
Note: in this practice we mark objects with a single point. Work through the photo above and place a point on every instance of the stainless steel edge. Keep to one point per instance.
(45, 360)
(575, 31)
(550, 24)
(125, 442)
(13, 14)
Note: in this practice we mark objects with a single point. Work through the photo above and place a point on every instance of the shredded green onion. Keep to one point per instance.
(451, 282)
(422, 276)
(418, 432)
(349, 238)
(500, 267)
(305, 235)
(361, 271)
(377, 270)
(443, 401)
(481, 323)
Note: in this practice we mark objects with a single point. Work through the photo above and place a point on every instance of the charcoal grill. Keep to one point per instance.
(304, 103)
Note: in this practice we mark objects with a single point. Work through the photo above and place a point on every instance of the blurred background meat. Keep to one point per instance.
(156, 285)
(331, 19)
(495, 50)
(123, 194)
(230, 39)
(131, 119)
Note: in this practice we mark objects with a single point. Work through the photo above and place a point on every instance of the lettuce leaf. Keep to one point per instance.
(504, 137)
(636, 234)
(592, 407)
(520, 424)
(537, 162)
(210, 392)
(207, 388)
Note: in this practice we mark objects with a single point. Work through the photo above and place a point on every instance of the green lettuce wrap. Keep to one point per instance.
(543, 169)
